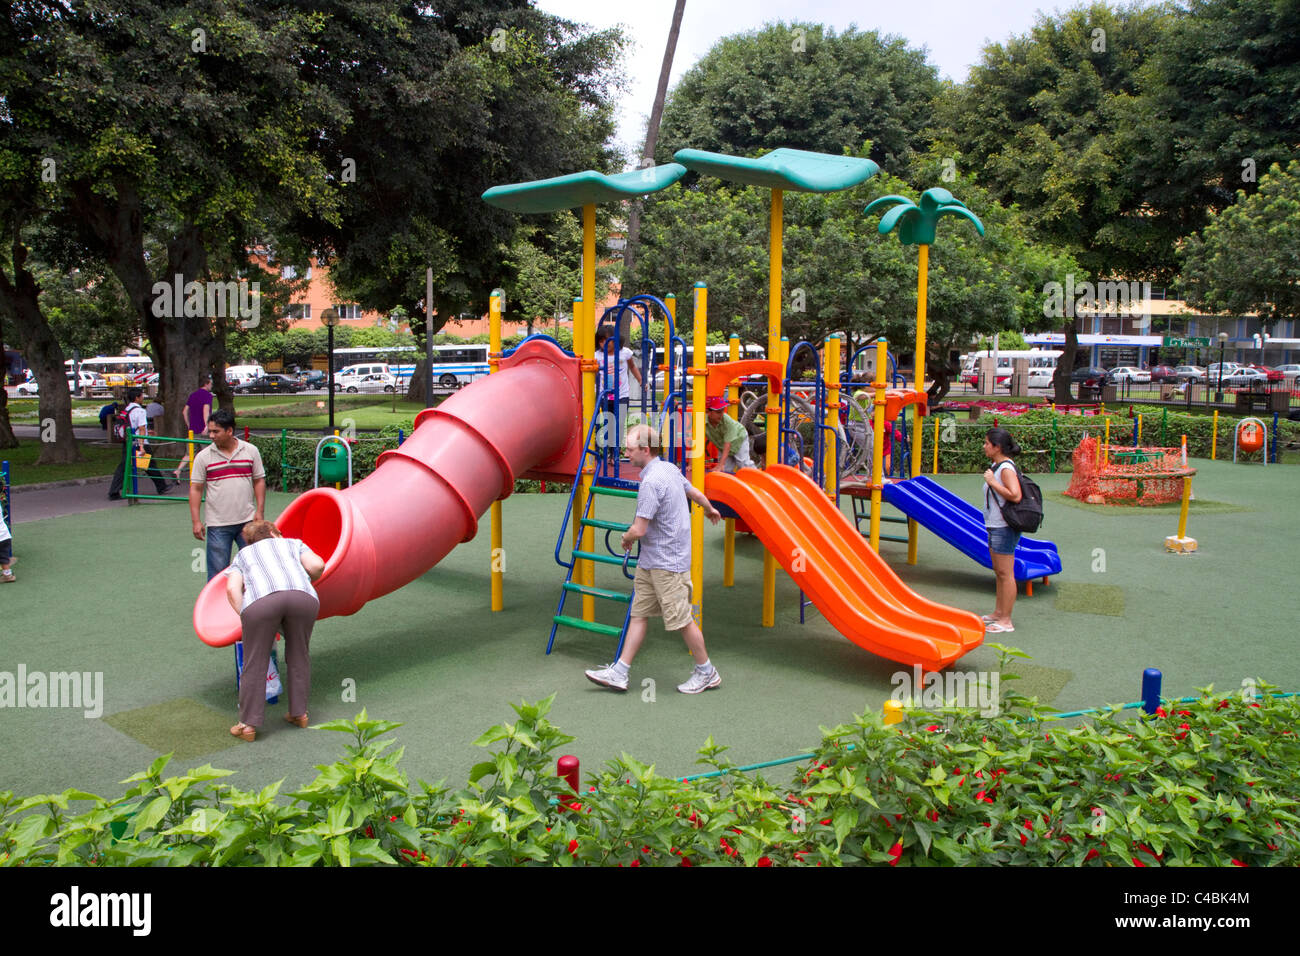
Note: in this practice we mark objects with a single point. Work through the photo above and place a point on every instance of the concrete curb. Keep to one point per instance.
(65, 483)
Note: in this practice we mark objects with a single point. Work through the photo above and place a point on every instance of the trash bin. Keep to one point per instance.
(333, 462)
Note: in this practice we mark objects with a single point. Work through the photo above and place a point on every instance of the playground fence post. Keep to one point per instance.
(934, 469)
(494, 351)
(729, 534)
(1150, 690)
(830, 459)
(776, 216)
(877, 445)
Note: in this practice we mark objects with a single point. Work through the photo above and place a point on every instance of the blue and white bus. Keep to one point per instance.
(454, 365)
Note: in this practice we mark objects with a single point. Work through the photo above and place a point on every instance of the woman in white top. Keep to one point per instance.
(269, 586)
(1001, 485)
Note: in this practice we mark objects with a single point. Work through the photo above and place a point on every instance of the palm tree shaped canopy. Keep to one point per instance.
(920, 222)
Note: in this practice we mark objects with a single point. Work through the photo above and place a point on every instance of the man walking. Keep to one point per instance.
(231, 472)
(138, 422)
(662, 587)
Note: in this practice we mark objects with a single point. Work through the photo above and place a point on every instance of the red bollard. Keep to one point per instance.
(245, 433)
(567, 767)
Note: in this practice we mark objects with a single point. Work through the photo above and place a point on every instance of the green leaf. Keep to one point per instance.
(844, 820)
(154, 811)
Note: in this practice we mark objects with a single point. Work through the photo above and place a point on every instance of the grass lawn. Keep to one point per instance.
(23, 470)
(370, 411)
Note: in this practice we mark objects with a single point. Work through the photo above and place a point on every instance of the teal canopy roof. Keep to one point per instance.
(579, 189)
(790, 169)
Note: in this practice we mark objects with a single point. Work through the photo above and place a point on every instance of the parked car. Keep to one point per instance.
(1041, 377)
(1290, 374)
(1090, 376)
(312, 379)
(374, 382)
(1245, 378)
(1163, 373)
(1212, 371)
(90, 381)
(1189, 373)
(1274, 375)
(268, 384)
(1128, 373)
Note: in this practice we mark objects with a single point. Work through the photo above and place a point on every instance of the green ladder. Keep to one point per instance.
(560, 619)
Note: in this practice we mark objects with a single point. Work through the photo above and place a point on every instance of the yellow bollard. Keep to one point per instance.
(1104, 451)
(893, 712)
(1139, 429)
(1180, 543)
(1214, 437)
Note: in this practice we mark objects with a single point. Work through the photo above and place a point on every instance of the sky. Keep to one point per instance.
(952, 32)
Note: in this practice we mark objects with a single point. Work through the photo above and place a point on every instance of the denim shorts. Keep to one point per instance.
(1003, 540)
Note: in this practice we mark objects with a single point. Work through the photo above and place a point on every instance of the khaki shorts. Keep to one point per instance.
(665, 594)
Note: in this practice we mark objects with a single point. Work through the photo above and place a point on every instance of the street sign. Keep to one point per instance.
(1195, 342)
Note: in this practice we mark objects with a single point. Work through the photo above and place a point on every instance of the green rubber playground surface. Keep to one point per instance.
(112, 592)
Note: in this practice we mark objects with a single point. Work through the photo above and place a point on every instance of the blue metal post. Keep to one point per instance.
(1150, 690)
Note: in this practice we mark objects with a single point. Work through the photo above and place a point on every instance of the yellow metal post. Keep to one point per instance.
(580, 499)
(1139, 429)
(588, 387)
(729, 535)
(1214, 436)
(773, 410)
(829, 460)
(918, 433)
(338, 484)
(699, 375)
(494, 363)
(1105, 446)
(878, 444)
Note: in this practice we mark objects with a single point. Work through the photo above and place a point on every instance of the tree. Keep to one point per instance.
(802, 85)
(1046, 121)
(1247, 260)
(483, 93)
(840, 275)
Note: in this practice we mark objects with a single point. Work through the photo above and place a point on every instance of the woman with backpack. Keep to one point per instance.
(1002, 485)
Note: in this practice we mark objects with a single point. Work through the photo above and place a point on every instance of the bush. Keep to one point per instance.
(1210, 782)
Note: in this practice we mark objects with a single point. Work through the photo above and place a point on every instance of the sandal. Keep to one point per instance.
(987, 618)
(244, 732)
(299, 721)
(993, 627)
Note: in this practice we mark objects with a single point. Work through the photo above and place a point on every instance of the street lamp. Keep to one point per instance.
(330, 318)
(1218, 395)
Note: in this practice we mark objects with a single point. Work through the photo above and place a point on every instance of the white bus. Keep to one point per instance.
(713, 354)
(400, 359)
(457, 365)
(116, 370)
(1041, 359)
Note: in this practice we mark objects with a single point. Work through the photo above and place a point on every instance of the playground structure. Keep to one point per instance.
(464, 456)
(1128, 475)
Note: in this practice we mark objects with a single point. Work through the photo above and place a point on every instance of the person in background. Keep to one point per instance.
(154, 413)
(138, 422)
(7, 558)
(624, 369)
(1002, 484)
(269, 585)
(198, 407)
(230, 471)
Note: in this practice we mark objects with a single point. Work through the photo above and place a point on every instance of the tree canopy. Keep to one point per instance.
(804, 86)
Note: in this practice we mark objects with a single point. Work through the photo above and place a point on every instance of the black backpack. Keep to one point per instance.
(1027, 513)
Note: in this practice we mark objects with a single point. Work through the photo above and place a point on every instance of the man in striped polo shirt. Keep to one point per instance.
(231, 472)
(662, 587)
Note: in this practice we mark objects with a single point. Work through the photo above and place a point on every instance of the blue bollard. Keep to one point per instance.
(1150, 690)
(400, 438)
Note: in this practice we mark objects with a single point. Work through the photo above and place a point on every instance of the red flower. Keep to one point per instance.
(763, 861)
(1238, 863)
(1092, 855)
(573, 847)
(934, 816)
(369, 832)
(1137, 862)
(685, 862)
(1160, 712)
(933, 727)
(635, 863)
(896, 851)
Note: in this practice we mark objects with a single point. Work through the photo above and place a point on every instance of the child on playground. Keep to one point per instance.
(7, 558)
(728, 436)
(1002, 485)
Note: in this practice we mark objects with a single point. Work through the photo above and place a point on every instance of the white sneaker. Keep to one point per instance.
(608, 677)
(698, 683)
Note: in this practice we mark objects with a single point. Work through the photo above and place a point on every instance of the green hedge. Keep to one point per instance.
(961, 440)
(1211, 782)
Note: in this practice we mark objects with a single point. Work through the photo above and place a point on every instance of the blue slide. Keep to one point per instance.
(961, 524)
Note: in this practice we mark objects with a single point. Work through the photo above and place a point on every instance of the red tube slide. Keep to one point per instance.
(425, 497)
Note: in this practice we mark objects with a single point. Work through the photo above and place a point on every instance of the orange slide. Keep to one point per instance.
(858, 592)
(426, 496)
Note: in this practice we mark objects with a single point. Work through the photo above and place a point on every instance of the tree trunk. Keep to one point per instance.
(7, 437)
(21, 299)
(648, 153)
(1065, 366)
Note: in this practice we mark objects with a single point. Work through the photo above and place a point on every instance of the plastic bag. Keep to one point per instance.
(273, 686)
